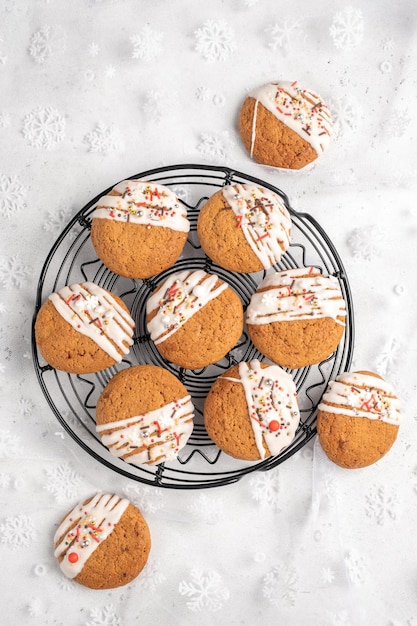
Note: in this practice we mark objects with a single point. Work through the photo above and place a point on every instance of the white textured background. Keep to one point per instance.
(95, 91)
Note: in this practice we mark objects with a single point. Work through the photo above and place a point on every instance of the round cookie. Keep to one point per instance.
(144, 415)
(284, 125)
(103, 542)
(244, 228)
(139, 229)
(83, 328)
(194, 319)
(297, 317)
(358, 419)
(251, 412)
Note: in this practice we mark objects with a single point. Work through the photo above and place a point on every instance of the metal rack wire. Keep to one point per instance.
(73, 398)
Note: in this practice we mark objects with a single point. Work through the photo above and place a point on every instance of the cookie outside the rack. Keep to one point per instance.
(251, 411)
(244, 228)
(144, 415)
(103, 542)
(83, 328)
(358, 419)
(194, 318)
(139, 229)
(284, 125)
(297, 317)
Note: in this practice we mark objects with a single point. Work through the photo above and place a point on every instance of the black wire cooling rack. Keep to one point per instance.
(73, 398)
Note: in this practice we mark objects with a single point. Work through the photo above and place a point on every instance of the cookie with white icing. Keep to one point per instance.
(251, 412)
(358, 419)
(83, 328)
(283, 124)
(244, 228)
(144, 415)
(139, 228)
(103, 542)
(194, 318)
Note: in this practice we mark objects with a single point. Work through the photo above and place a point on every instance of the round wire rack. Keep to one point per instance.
(73, 398)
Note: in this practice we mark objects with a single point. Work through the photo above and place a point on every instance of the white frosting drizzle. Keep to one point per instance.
(296, 294)
(272, 404)
(177, 299)
(153, 437)
(145, 203)
(263, 218)
(85, 528)
(92, 311)
(298, 108)
(362, 395)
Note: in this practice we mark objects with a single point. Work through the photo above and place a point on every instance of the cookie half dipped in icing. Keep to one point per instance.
(139, 229)
(144, 415)
(251, 412)
(83, 328)
(244, 228)
(103, 542)
(285, 125)
(358, 419)
(194, 318)
(297, 317)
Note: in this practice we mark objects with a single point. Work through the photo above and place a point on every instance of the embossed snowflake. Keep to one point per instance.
(12, 195)
(63, 482)
(5, 120)
(46, 43)
(341, 618)
(182, 193)
(103, 139)
(104, 616)
(10, 445)
(93, 49)
(56, 220)
(215, 146)
(280, 585)
(367, 242)
(347, 28)
(206, 508)
(265, 487)
(382, 504)
(215, 40)
(146, 498)
(346, 115)
(285, 33)
(13, 273)
(147, 44)
(206, 591)
(327, 575)
(44, 127)
(26, 406)
(17, 531)
(390, 357)
(203, 93)
(397, 123)
(158, 105)
(151, 576)
(35, 607)
(356, 567)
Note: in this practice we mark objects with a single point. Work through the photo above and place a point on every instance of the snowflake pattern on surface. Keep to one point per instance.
(147, 44)
(103, 139)
(367, 242)
(5, 120)
(265, 488)
(280, 585)
(10, 445)
(158, 105)
(388, 360)
(347, 28)
(13, 273)
(57, 219)
(151, 576)
(285, 33)
(215, 146)
(63, 482)
(46, 43)
(206, 590)
(206, 508)
(147, 499)
(44, 128)
(382, 505)
(35, 607)
(396, 123)
(104, 616)
(356, 568)
(215, 40)
(17, 531)
(12, 195)
(341, 618)
(25, 406)
(346, 115)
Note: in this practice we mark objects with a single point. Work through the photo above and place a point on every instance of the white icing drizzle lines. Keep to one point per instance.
(272, 404)
(145, 203)
(92, 311)
(263, 218)
(153, 437)
(300, 109)
(362, 395)
(177, 299)
(297, 294)
(85, 528)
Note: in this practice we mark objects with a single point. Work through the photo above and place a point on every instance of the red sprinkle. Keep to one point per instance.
(73, 557)
(274, 426)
